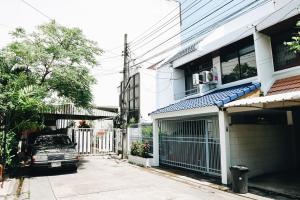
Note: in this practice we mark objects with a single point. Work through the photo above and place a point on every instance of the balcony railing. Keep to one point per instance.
(186, 93)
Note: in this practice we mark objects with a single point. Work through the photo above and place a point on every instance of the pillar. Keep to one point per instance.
(155, 143)
(224, 146)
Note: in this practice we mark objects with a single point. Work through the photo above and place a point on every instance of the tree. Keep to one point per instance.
(295, 43)
(39, 68)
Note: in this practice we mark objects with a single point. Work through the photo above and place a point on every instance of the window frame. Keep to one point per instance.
(236, 48)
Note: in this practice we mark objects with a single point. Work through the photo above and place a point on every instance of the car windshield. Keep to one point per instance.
(52, 140)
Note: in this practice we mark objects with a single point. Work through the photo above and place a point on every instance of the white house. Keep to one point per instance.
(246, 112)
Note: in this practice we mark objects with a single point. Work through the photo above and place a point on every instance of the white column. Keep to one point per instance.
(129, 133)
(224, 145)
(155, 143)
(264, 60)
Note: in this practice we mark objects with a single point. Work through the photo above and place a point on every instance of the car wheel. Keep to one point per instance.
(74, 168)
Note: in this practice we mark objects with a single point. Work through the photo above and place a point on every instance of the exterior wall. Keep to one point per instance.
(262, 148)
(164, 86)
(147, 94)
(178, 80)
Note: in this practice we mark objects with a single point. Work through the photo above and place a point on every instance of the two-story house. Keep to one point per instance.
(233, 98)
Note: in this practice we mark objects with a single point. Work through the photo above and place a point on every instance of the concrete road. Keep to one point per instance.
(102, 178)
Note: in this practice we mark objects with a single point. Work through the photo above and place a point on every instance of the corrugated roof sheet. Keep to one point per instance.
(285, 85)
(217, 98)
(255, 101)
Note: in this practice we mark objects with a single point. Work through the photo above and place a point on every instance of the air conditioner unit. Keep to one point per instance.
(209, 77)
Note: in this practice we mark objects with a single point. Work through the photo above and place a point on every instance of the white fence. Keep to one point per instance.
(92, 141)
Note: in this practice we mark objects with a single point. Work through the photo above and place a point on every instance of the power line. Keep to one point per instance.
(201, 20)
(134, 40)
(37, 10)
(186, 28)
(174, 25)
(164, 25)
(201, 32)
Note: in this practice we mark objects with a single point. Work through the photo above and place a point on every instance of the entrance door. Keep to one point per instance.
(192, 144)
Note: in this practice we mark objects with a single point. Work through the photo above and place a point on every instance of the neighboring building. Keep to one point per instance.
(139, 96)
(247, 112)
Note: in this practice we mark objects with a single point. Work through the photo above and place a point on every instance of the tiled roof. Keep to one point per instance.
(217, 98)
(290, 84)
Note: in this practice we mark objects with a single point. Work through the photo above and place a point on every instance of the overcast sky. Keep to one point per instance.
(104, 21)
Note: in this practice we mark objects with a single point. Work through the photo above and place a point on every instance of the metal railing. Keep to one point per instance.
(190, 144)
(186, 93)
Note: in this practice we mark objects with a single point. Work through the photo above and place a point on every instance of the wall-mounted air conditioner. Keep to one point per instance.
(209, 77)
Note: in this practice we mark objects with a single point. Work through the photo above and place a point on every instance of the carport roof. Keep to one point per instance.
(216, 98)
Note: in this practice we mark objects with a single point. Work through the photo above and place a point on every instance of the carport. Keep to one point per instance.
(265, 136)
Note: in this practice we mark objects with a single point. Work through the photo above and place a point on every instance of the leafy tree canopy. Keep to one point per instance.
(38, 68)
(295, 43)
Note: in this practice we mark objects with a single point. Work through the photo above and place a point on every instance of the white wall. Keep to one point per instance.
(178, 80)
(262, 148)
(164, 86)
(147, 94)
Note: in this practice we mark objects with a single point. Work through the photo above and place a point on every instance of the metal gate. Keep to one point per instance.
(92, 141)
(192, 144)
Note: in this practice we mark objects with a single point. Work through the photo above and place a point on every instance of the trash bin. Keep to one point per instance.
(239, 176)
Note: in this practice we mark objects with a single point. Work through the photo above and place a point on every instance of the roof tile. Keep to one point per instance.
(217, 98)
(285, 85)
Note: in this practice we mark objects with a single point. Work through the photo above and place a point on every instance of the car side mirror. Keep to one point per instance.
(75, 144)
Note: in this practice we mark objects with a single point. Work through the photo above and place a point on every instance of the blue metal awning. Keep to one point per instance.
(216, 98)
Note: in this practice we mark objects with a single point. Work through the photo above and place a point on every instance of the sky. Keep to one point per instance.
(104, 21)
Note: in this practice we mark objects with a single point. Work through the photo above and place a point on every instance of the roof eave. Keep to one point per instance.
(208, 110)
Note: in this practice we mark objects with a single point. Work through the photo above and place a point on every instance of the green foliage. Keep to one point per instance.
(11, 149)
(147, 131)
(295, 43)
(51, 63)
(140, 149)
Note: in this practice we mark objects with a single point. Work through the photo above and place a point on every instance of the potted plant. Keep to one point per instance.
(140, 154)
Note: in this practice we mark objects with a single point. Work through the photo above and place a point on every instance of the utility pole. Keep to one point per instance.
(123, 99)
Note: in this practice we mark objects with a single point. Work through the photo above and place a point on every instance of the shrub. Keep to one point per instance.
(140, 149)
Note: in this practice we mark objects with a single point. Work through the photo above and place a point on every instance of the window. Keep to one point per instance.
(201, 64)
(238, 61)
(283, 57)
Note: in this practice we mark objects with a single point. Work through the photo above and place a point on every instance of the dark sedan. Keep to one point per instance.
(54, 151)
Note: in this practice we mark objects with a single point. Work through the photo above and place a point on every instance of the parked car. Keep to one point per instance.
(54, 151)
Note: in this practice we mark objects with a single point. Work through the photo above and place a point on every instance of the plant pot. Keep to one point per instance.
(137, 160)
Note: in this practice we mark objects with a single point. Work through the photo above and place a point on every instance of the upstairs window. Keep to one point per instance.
(283, 56)
(238, 61)
(201, 64)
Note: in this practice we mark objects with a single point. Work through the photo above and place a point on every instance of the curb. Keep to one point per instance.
(198, 183)
(10, 189)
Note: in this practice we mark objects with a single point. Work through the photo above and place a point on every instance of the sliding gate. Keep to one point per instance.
(192, 144)
(92, 141)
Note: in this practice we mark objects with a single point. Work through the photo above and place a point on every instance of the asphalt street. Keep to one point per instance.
(101, 178)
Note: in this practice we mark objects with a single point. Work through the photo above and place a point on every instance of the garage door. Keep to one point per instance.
(192, 144)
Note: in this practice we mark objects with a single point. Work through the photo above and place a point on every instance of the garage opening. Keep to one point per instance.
(192, 144)
(268, 143)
